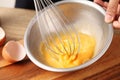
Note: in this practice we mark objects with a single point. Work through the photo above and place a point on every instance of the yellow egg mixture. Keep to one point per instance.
(68, 59)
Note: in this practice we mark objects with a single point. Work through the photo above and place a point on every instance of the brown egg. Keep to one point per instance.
(21, 42)
(2, 36)
(13, 51)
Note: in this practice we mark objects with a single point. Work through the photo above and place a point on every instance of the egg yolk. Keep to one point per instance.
(69, 55)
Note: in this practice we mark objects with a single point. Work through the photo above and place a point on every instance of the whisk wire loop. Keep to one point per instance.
(50, 19)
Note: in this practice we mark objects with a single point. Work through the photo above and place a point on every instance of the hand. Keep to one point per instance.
(112, 11)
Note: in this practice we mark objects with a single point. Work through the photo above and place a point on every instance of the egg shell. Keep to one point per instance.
(2, 37)
(21, 42)
(13, 52)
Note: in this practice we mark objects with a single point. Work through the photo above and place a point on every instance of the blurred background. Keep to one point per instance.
(7, 3)
(27, 4)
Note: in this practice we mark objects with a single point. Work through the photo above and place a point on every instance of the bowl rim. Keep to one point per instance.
(94, 59)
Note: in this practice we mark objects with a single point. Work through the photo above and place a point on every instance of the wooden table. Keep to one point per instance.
(15, 21)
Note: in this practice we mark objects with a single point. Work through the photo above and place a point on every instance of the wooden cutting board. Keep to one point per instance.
(15, 21)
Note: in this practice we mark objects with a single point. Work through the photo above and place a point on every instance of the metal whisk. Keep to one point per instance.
(56, 29)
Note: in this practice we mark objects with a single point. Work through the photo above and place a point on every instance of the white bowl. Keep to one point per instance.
(88, 17)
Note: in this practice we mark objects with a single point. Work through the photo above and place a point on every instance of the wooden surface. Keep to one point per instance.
(15, 21)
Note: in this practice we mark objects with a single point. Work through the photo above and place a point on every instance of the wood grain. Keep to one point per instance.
(15, 21)
(12, 21)
(3, 62)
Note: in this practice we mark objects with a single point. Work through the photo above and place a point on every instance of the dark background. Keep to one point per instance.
(29, 4)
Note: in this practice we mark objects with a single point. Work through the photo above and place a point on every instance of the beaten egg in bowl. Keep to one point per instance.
(67, 60)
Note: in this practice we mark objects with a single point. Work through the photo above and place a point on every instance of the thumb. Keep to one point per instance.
(111, 10)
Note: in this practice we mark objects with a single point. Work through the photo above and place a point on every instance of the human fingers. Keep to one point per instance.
(100, 2)
(116, 24)
(111, 10)
(105, 5)
(118, 10)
